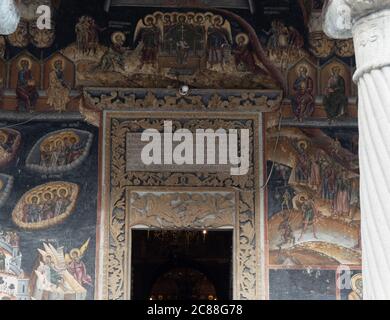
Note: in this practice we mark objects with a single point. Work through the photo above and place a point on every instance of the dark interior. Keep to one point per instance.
(182, 265)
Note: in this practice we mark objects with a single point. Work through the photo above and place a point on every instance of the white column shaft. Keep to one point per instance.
(372, 46)
(9, 17)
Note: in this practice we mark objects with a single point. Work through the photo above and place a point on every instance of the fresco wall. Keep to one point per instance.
(48, 210)
(49, 169)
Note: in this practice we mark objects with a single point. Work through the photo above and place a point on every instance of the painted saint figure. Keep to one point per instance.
(335, 100)
(150, 43)
(217, 41)
(26, 90)
(59, 90)
(341, 203)
(303, 99)
(243, 55)
(114, 57)
(302, 165)
(309, 217)
(76, 266)
(315, 174)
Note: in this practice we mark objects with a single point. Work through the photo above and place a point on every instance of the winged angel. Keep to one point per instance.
(76, 266)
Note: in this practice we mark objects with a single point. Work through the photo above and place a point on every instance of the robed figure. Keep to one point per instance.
(303, 99)
(335, 100)
(26, 90)
(59, 91)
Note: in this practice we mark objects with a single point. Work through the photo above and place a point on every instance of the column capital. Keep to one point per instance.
(9, 17)
(339, 16)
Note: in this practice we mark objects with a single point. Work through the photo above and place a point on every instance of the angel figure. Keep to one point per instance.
(219, 38)
(150, 40)
(76, 266)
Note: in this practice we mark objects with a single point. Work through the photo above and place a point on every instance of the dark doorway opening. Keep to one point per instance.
(182, 265)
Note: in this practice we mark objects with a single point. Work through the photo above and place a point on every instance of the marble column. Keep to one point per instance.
(9, 17)
(368, 22)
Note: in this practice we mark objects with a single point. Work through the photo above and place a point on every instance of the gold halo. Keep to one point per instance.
(114, 36)
(303, 143)
(34, 196)
(26, 59)
(197, 20)
(1, 184)
(44, 196)
(182, 15)
(63, 188)
(357, 283)
(75, 251)
(246, 41)
(147, 18)
(304, 65)
(53, 62)
(219, 18)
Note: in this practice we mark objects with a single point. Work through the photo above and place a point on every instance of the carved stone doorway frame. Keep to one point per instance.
(113, 251)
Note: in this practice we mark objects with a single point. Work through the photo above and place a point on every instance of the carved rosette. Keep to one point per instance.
(115, 262)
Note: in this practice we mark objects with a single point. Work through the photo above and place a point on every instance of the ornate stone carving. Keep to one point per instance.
(127, 99)
(182, 209)
(117, 126)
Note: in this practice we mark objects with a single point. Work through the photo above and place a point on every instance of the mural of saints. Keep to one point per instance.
(26, 90)
(303, 99)
(335, 100)
(59, 90)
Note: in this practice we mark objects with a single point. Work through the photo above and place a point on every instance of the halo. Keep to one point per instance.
(24, 59)
(217, 17)
(147, 18)
(305, 65)
(115, 35)
(246, 41)
(199, 18)
(303, 144)
(34, 196)
(357, 283)
(182, 15)
(53, 62)
(75, 251)
(63, 188)
(44, 195)
(1, 185)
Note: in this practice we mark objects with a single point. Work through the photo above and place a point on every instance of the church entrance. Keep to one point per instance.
(182, 265)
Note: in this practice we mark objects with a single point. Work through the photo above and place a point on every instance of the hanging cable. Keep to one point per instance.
(274, 151)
